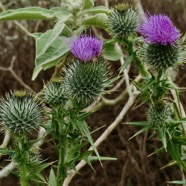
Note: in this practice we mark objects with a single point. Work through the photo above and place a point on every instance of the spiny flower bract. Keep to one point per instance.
(159, 29)
(54, 93)
(123, 20)
(159, 114)
(86, 47)
(84, 82)
(20, 113)
(162, 57)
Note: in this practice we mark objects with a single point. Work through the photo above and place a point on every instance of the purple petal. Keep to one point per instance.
(159, 29)
(86, 47)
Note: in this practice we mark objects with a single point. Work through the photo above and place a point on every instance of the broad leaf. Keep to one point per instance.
(88, 4)
(61, 13)
(98, 20)
(96, 10)
(36, 71)
(28, 13)
(56, 51)
(43, 44)
(111, 51)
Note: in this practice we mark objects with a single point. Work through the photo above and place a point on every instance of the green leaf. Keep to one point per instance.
(141, 131)
(157, 151)
(98, 20)
(56, 51)
(163, 135)
(52, 178)
(84, 129)
(177, 182)
(43, 45)
(88, 4)
(127, 62)
(6, 151)
(36, 71)
(174, 151)
(111, 51)
(28, 13)
(96, 10)
(102, 158)
(138, 123)
(61, 13)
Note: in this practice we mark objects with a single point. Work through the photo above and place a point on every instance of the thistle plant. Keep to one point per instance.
(20, 113)
(81, 80)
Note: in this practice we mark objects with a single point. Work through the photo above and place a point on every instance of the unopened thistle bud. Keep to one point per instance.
(159, 113)
(84, 82)
(123, 20)
(54, 93)
(162, 49)
(20, 113)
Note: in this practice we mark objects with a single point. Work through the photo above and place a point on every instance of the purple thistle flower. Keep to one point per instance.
(159, 29)
(86, 47)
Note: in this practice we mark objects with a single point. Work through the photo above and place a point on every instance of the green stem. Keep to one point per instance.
(139, 63)
(61, 169)
(23, 163)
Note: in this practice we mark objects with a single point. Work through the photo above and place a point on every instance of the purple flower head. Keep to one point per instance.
(159, 29)
(86, 47)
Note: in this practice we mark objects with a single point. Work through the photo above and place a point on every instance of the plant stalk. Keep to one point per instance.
(23, 163)
(61, 169)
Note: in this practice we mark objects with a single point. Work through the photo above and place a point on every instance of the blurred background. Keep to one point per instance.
(133, 167)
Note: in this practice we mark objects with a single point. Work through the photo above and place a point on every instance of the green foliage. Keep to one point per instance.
(29, 13)
(99, 20)
(111, 51)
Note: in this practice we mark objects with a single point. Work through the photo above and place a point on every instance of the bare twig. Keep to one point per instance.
(10, 69)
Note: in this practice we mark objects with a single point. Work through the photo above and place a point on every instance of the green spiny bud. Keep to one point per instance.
(162, 57)
(123, 20)
(54, 93)
(20, 112)
(84, 82)
(159, 113)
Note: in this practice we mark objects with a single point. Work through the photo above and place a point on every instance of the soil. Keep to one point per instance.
(133, 166)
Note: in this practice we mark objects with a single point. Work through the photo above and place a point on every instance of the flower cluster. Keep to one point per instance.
(86, 48)
(159, 29)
